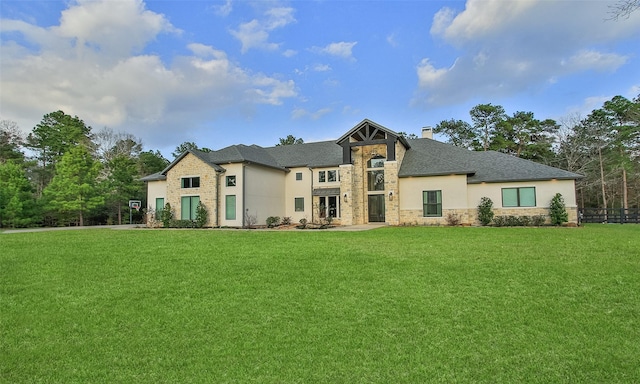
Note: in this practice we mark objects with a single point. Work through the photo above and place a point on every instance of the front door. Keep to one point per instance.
(376, 208)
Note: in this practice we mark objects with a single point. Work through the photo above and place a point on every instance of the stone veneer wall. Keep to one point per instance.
(191, 166)
(346, 187)
(353, 182)
(470, 216)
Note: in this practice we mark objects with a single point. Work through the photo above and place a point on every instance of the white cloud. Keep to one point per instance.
(505, 47)
(81, 72)
(590, 59)
(341, 49)
(255, 33)
(299, 113)
(321, 67)
(225, 9)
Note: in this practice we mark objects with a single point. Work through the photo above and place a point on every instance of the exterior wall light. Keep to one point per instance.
(345, 197)
(390, 195)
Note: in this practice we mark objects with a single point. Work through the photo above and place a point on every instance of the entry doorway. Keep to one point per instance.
(376, 209)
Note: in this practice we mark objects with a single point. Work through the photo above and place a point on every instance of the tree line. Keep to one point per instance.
(63, 173)
(604, 146)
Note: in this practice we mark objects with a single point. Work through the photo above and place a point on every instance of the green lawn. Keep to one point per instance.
(391, 305)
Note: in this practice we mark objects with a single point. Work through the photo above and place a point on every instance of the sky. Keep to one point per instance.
(229, 72)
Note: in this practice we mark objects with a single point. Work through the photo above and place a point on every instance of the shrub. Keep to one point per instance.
(453, 219)
(500, 221)
(182, 224)
(250, 220)
(273, 221)
(166, 216)
(513, 221)
(286, 220)
(538, 220)
(557, 210)
(485, 211)
(525, 221)
(303, 223)
(201, 215)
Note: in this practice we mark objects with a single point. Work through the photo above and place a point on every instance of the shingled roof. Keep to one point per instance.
(424, 157)
(431, 158)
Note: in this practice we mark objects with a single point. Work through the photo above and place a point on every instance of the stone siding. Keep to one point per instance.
(470, 216)
(191, 166)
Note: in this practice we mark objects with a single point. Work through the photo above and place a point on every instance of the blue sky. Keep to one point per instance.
(230, 72)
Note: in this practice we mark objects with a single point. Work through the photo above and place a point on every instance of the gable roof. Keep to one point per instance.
(374, 125)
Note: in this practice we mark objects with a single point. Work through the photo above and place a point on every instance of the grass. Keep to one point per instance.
(401, 305)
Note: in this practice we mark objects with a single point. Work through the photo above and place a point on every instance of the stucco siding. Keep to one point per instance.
(155, 190)
(231, 170)
(298, 189)
(454, 198)
(264, 192)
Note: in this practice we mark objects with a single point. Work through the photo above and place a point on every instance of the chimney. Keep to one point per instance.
(427, 133)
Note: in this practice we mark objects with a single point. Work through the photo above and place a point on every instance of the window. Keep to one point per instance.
(190, 182)
(322, 176)
(298, 175)
(299, 203)
(376, 162)
(331, 176)
(159, 207)
(375, 180)
(432, 203)
(188, 207)
(329, 206)
(519, 197)
(231, 181)
(230, 207)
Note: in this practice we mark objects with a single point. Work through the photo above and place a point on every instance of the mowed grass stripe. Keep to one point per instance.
(387, 305)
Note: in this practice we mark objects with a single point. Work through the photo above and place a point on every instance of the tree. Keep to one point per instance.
(186, 146)
(625, 138)
(11, 142)
(73, 189)
(52, 138)
(17, 203)
(150, 162)
(289, 140)
(111, 144)
(522, 135)
(460, 133)
(623, 9)
(406, 135)
(122, 182)
(485, 118)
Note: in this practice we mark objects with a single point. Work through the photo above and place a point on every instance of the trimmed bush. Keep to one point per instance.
(485, 211)
(273, 221)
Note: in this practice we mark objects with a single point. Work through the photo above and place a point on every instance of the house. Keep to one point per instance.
(369, 175)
